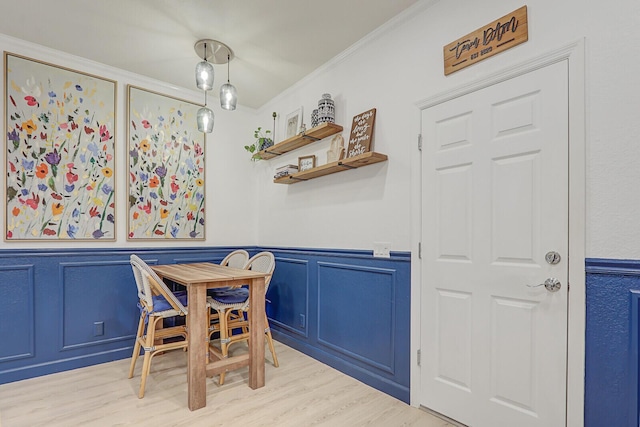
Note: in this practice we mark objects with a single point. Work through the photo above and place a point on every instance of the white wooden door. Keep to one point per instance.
(494, 203)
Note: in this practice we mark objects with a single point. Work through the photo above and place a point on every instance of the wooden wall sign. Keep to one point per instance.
(361, 133)
(500, 35)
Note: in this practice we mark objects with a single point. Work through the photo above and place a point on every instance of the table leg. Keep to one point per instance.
(256, 333)
(197, 353)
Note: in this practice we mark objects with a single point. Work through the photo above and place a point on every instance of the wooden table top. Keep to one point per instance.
(204, 272)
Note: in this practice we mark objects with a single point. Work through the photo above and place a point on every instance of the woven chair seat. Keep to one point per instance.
(230, 297)
(162, 308)
(235, 259)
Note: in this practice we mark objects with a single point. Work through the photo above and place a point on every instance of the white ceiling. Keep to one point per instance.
(276, 42)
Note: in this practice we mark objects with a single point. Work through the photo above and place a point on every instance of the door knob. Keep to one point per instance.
(552, 284)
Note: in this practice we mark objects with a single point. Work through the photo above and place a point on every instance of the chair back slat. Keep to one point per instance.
(150, 284)
(264, 262)
(137, 274)
(236, 259)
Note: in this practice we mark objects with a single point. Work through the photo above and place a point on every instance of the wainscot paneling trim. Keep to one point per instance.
(90, 301)
(612, 338)
(612, 266)
(80, 252)
(389, 386)
(300, 331)
(29, 307)
(186, 260)
(634, 362)
(342, 253)
(65, 364)
(372, 365)
(391, 338)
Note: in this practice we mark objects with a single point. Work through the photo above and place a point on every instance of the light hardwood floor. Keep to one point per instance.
(301, 392)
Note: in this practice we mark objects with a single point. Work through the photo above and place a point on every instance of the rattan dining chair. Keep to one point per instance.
(231, 304)
(156, 302)
(235, 259)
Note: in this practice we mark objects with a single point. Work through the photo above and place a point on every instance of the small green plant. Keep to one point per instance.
(263, 140)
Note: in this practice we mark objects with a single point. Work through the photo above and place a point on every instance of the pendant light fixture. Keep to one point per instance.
(205, 117)
(211, 52)
(228, 93)
(204, 72)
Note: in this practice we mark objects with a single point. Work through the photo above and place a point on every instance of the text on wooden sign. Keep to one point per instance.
(500, 35)
(361, 133)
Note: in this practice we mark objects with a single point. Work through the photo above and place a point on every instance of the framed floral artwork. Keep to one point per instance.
(166, 168)
(60, 162)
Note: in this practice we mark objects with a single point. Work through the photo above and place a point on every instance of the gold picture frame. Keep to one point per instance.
(59, 152)
(166, 159)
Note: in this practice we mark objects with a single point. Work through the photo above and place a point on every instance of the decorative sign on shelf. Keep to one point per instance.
(361, 133)
(498, 36)
(336, 149)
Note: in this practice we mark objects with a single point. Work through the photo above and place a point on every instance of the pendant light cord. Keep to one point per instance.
(205, 60)
(228, 72)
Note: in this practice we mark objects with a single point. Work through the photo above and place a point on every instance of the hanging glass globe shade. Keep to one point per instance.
(205, 119)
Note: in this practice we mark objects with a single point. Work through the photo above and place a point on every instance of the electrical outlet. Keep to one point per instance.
(98, 329)
(302, 320)
(382, 249)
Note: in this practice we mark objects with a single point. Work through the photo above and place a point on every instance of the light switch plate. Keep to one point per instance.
(382, 249)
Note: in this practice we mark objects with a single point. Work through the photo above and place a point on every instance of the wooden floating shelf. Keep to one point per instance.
(364, 159)
(312, 135)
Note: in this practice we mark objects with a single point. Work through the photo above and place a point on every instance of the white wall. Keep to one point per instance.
(393, 69)
(402, 64)
(230, 193)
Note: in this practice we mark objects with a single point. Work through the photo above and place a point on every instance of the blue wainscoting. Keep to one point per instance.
(67, 309)
(612, 339)
(17, 290)
(346, 309)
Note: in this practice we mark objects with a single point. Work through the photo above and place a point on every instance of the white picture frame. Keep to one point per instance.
(293, 123)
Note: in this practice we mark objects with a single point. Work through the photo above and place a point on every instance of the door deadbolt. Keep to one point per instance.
(552, 257)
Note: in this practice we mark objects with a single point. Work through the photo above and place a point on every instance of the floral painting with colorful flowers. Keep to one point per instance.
(59, 151)
(166, 168)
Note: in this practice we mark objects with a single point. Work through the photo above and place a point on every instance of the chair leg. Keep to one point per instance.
(245, 329)
(136, 346)
(146, 364)
(224, 338)
(207, 326)
(270, 341)
(214, 324)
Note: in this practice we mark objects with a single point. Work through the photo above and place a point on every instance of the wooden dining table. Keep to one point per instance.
(197, 278)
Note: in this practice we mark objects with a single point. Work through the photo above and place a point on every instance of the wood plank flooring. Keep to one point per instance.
(301, 392)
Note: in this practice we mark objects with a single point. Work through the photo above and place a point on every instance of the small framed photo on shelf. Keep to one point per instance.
(293, 123)
(306, 163)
